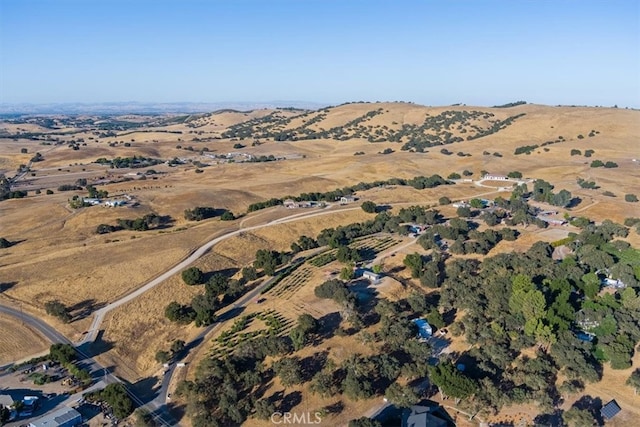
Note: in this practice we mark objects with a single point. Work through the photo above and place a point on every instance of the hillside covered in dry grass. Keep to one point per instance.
(160, 166)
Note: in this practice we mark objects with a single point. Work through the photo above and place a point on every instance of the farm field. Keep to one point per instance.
(278, 311)
(131, 323)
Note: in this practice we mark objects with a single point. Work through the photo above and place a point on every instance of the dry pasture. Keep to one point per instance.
(18, 340)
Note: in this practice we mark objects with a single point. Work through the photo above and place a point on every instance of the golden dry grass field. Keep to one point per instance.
(139, 329)
(18, 339)
(58, 254)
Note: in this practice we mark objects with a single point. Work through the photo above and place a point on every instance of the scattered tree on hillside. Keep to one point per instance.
(454, 175)
(634, 381)
(117, 397)
(62, 353)
(365, 422)
(267, 260)
(575, 417)
(451, 382)
(289, 370)
(249, 273)
(476, 203)
(199, 213)
(179, 313)
(369, 207)
(227, 216)
(193, 276)
(162, 356)
(347, 273)
(401, 396)
(57, 309)
(264, 409)
(307, 325)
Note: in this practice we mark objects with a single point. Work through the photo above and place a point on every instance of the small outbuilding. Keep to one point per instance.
(552, 221)
(92, 201)
(347, 199)
(614, 283)
(424, 329)
(610, 410)
(585, 336)
(371, 276)
(114, 203)
(461, 204)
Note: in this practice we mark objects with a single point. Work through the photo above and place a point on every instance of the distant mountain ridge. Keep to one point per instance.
(149, 107)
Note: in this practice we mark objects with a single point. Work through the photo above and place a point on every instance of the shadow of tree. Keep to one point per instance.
(313, 364)
(328, 324)
(175, 411)
(551, 419)
(334, 408)
(97, 347)
(226, 272)
(146, 389)
(290, 401)
(591, 404)
(84, 308)
(5, 286)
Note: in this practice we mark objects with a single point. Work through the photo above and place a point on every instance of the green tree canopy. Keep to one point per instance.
(117, 397)
(369, 207)
(193, 276)
(401, 396)
(62, 353)
(452, 382)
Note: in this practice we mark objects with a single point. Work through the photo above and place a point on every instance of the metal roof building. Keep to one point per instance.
(63, 417)
(424, 329)
(610, 410)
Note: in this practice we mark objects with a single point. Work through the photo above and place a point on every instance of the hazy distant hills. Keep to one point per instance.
(147, 108)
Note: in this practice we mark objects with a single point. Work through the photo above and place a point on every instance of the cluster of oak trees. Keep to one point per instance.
(522, 313)
(418, 182)
(513, 302)
(227, 391)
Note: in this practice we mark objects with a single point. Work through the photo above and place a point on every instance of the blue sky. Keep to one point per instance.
(475, 52)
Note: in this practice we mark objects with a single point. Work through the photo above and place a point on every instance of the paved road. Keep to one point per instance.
(49, 332)
(98, 371)
(158, 404)
(99, 315)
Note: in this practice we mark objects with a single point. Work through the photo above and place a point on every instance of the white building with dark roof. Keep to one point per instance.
(347, 199)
